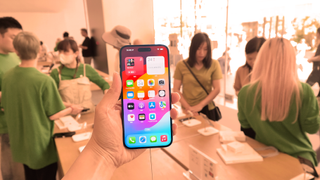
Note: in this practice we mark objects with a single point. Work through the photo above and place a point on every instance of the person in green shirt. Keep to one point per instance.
(193, 97)
(9, 28)
(276, 105)
(31, 101)
(73, 78)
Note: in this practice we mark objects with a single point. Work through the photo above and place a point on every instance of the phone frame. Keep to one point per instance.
(121, 96)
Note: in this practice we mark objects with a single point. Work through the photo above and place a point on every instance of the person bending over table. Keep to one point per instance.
(276, 105)
(105, 151)
(73, 78)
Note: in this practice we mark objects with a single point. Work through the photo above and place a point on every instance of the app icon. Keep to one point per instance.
(163, 138)
(140, 82)
(132, 140)
(130, 94)
(140, 94)
(150, 82)
(141, 105)
(142, 139)
(129, 83)
(130, 105)
(142, 117)
(162, 93)
(151, 94)
(153, 138)
(152, 116)
(130, 117)
(161, 82)
(152, 105)
(162, 104)
(130, 62)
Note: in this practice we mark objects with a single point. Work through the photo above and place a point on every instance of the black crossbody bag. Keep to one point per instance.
(215, 113)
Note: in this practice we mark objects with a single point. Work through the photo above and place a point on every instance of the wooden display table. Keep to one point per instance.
(279, 167)
(139, 169)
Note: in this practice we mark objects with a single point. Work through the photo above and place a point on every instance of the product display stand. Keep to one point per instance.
(207, 131)
(191, 122)
(201, 166)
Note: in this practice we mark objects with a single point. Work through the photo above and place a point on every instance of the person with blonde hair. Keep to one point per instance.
(276, 105)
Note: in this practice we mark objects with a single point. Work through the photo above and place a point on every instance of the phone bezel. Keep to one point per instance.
(122, 112)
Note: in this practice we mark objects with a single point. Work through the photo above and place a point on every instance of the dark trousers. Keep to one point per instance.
(249, 132)
(47, 173)
(314, 77)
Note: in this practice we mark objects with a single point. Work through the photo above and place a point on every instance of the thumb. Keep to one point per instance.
(112, 96)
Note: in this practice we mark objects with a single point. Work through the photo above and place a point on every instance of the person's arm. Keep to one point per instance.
(314, 59)
(213, 94)
(83, 47)
(310, 112)
(176, 89)
(61, 113)
(105, 150)
(237, 82)
(241, 113)
(94, 77)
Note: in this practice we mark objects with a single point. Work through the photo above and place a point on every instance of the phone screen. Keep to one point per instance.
(146, 96)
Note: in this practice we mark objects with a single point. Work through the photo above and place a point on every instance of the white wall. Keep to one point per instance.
(48, 26)
(137, 15)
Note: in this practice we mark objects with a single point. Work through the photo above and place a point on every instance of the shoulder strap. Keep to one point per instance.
(196, 78)
(84, 70)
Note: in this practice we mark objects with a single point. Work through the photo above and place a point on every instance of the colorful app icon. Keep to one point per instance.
(162, 104)
(142, 139)
(153, 139)
(142, 117)
(130, 117)
(150, 82)
(152, 105)
(130, 62)
(162, 93)
(130, 106)
(141, 105)
(140, 94)
(132, 140)
(163, 138)
(130, 94)
(129, 83)
(161, 82)
(152, 116)
(140, 82)
(151, 94)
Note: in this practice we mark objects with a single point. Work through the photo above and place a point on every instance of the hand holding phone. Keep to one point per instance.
(146, 100)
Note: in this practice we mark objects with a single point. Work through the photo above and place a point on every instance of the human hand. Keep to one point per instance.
(309, 61)
(196, 109)
(76, 109)
(107, 137)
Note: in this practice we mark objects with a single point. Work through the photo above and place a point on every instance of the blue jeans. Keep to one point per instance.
(10, 170)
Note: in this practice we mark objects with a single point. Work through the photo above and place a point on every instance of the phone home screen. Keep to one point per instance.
(146, 98)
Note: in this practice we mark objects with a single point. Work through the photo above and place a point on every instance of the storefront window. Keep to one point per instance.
(176, 22)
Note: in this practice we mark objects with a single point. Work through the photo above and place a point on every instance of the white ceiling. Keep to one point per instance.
(33, 5)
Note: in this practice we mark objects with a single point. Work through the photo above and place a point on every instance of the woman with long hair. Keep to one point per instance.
(194, 98)
(276, 105)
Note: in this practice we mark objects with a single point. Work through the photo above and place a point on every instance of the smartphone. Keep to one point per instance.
(146, 96)
(85, 109)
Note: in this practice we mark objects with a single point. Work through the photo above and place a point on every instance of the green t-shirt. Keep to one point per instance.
(67, 74)
(29, 99)
(191, 90)
(286, 136)
(7, 61)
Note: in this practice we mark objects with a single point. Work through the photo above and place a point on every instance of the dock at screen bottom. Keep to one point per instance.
(147, 140)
